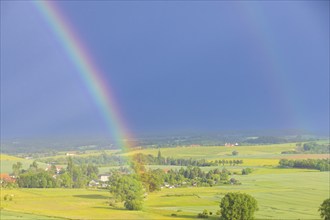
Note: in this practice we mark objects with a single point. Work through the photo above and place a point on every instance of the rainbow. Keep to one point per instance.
(90, 73)
(253, 17)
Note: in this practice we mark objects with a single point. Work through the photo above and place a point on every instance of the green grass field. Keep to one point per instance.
(9, 215)
(281, 193)
(219, 152)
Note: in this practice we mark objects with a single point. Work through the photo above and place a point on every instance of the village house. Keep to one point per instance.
(70, 154)
(102, 181)
(93, 183)
(104, 177)
(58, 168)
(5, 178)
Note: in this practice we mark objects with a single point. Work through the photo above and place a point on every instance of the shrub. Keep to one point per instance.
(8, 197)
(204, 214)
(133, 204)
(246, 171)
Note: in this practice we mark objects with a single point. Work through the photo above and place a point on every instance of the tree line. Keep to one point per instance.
(310, 147)
(315, 148)
(105, 159)
(160, 160)
(316, 164)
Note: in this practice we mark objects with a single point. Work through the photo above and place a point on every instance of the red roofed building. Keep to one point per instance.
(5, 178)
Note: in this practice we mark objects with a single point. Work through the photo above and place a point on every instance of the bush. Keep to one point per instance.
(234, 181)
(173, 214)
(133, 204)
(204, 214)
(246, 171)
(112, 203)
(8, 197)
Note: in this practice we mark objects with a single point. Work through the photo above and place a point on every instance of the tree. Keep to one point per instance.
(234, 153)
(325, 209)
(238, 206)
(128, 189)
(34, 166)
(159, 157)
(153, 179)
(138, 167)
(17, 168)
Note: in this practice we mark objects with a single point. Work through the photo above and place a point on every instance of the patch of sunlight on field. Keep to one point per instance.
(9, 158)
(259, 162)
(215, 152)
(273, 170)
(70, 203)
(280, 195)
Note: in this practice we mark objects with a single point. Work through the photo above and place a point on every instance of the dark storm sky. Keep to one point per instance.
(173, 67)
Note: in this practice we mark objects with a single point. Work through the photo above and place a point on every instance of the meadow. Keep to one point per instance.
(7, 161)
(281, 193)
(284, 194)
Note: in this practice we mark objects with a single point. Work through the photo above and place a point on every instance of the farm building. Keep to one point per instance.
(5, 178)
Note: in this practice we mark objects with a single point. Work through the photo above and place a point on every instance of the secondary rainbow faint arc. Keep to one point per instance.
(88, 70)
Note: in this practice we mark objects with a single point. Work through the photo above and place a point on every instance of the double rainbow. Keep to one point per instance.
(88, 70)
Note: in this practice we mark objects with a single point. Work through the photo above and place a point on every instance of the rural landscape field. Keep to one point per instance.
(282, 193)
(152, 109)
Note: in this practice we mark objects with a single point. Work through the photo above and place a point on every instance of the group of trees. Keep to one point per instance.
(130, 188)
(230, 162)
(266, 140)
(310, 148)
(159, 160)
(72, 177)
(313, 147)
(196, 177)
(317, 164)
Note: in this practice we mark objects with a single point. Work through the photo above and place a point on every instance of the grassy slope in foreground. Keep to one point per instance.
(284, 195)
(9, 215)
